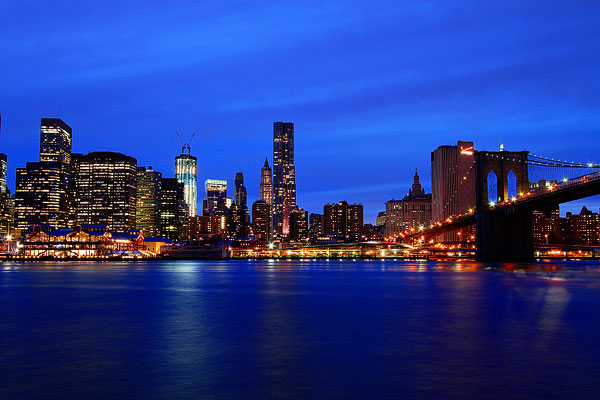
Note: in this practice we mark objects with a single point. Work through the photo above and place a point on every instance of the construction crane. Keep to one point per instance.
(185, 146)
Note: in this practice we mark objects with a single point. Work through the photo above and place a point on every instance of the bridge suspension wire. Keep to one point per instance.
(539, 169)
(456, 191)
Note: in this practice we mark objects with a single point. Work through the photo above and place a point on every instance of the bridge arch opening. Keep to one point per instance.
(511, 184)
(492, 187)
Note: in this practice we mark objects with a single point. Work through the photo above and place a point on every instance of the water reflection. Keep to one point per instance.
(289, 328)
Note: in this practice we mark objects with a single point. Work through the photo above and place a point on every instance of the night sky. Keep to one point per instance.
(372, 87)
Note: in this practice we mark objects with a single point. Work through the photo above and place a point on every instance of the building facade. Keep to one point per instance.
(149, 199)
(298, 224)
(55, 141)
(41, 195)
(174, 213)
(106, 190)
(266, 183)
(452, 184)
(284, 176)
(413, 211)
(186, 172)
(215, 192)
(261, 220)
(343, 219)
(316, 225)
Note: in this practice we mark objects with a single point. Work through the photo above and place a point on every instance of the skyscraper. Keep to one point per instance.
(239, 222)
(186, 173)
(41, 195)
(42, 188)
(261, 220)
(107, 190)
(215, 191)
(240, 195)
(298, 224)
(55, 141)
(452, 183)
(284, 176)
(266, 183)
(149, 199)
(174, 214)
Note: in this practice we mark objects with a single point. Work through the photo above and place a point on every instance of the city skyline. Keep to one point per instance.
(432, 75)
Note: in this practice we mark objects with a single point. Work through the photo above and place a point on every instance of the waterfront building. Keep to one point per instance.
(55, 141)
(584, 229)
(149, 199)
(298, 224)
(316, 225)
(284, 176)
(343, 219)
(83, 241)
(548, 227)
(106, 190)
(186, 172)
(413, 211)
(261, 220)
(266, 183)
(452, 184)
(41, 194)
(215, 191)
(174, 213)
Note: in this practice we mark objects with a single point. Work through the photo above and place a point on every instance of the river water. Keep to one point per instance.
(300, 329)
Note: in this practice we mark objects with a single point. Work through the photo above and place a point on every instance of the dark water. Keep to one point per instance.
(294, 329)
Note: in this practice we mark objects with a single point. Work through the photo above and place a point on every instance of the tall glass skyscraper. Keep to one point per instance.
(215, 191)
(55, 141)
(284, 176)
(186, 172)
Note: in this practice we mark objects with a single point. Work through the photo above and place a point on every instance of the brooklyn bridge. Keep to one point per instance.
(502, 190)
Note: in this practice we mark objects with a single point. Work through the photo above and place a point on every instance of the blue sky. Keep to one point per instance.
(373, 87)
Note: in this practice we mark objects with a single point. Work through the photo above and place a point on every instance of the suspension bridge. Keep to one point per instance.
(498, 195)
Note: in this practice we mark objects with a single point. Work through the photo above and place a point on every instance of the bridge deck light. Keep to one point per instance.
(565, 179)
(492, 203)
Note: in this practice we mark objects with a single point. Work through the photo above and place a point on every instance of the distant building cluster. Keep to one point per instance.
(108, 201)
(65, 192)
(574, 229)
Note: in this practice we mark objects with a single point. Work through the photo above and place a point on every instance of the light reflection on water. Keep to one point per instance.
(314, 328)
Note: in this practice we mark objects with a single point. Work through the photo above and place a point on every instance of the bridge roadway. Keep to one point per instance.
(514, 213)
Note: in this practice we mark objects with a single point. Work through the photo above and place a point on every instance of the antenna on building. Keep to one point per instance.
(185, 146)
(501, 146)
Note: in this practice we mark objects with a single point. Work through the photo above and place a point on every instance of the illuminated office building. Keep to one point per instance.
(261, 220)
(240, 196)
(149, 200)
(215, 191)
(284, 176)
(106, 191)
(41, 195)
(186, 172)
(174, 213)
(413, 211)
(55, 141)
(343, 219)
(266, 183)
(298, 224)
(316, 225)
